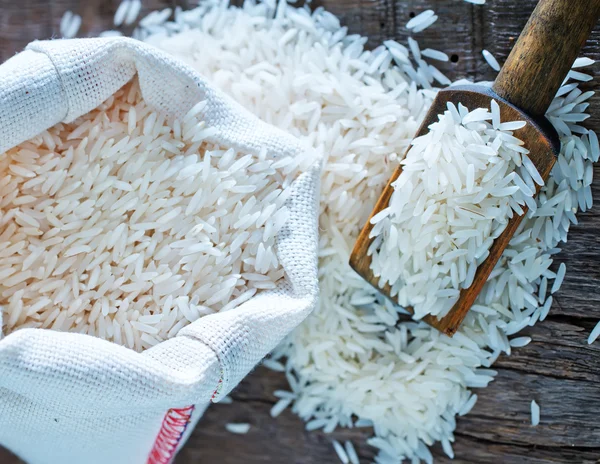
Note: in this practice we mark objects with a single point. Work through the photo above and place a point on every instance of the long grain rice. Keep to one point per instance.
(535, 413)
(106, 239)
(301, 71)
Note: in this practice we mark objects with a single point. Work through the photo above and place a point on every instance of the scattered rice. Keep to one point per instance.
(558, 280)
(535, 413)
(343, 349)
(280, 406)
(422, 21)
(339, 449)
(69, 25)
(351, 452)
(491, 60)
(274, 365)
(594, 334)
(129, 231)
(520, 341)
(583, 62)
(237, 428)
(454, 196)
(127, 12)
(355, 340)
(467, 405)
(434, 54)
(133, 11)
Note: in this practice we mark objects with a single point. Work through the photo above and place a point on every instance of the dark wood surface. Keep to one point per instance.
(542, 57)
(558, 368)
(542, 152)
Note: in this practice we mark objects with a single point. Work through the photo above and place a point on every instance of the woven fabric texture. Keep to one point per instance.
(74, 398)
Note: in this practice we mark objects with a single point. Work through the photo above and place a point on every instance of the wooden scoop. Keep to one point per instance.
(524, 89)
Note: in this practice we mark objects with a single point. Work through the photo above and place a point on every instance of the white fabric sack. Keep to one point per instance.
(71, 398)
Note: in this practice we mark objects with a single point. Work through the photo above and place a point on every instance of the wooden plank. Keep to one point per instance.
(488, 430)
(558, 368)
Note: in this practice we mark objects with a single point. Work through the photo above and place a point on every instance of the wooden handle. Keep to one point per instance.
(544, 53)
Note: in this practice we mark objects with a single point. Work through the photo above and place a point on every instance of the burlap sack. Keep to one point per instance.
(70, 398)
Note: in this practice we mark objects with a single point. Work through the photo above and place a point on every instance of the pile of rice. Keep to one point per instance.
(460, 183)
(354, 362)
(128, 226)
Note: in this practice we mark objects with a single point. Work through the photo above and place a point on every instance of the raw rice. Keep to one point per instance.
(558, 280)
(535, 413)
(594, 334)
(132, 13)
(422, 21)
(339, 450)
(491, 60)
(583, 62)
(520, 341)
(239, 428)
(125, 240)
(420, 18)
(331, 361)
(351, 453)
(121, 12)
(333, 385)
(280, 406)
(69, 25)
(454, 196)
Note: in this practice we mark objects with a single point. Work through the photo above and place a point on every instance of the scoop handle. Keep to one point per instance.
(544, 53)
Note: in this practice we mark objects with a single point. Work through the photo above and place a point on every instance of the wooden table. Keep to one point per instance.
(558, 368)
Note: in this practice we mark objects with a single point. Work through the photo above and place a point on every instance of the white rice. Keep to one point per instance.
(520, 341)
(341, 452)
(274, 365)
(355, 339)
(280, 406)
(452, 199)
(69, 25)
(558, 280)
(351, 453)
(422, 21)
(535, 413)
(491, 60)
(110, 34)
(420, 18)
(434, 54)
(467, 405)
(121, 12)
(594, 334)
(133, 11)
(583, 62)
(119, 228)
(335, 357)
(239, 428)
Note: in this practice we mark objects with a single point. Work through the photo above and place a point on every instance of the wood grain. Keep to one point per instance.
(526, 85)
(558, 368)
(544, 52)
